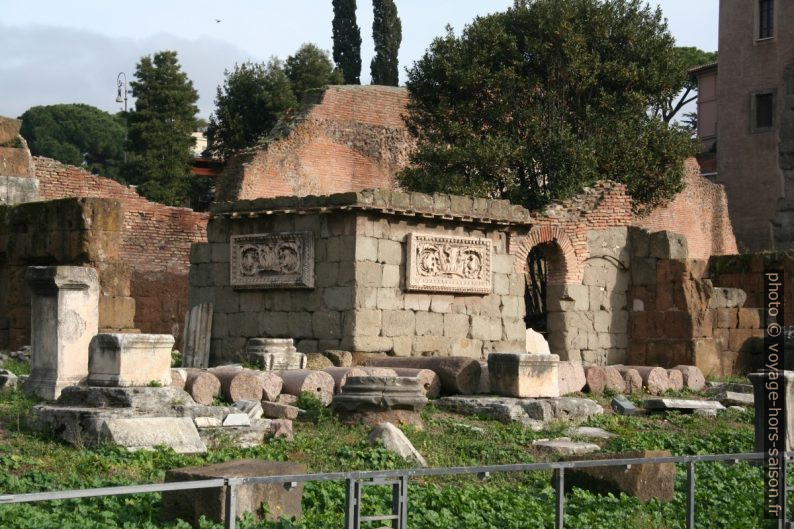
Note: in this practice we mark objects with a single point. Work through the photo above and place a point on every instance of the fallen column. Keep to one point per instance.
(457, 374)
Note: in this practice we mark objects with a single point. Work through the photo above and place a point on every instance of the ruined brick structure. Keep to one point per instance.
(154, 242)
(352, 138)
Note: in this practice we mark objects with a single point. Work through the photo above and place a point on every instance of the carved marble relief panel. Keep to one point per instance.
(438, 263)
(273, 260)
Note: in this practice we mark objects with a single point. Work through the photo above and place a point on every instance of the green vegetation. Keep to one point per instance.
(347, 40)
(76, 134)
(728, 496)
(537, 102)
(160, 129)
(311, 68)
(387, 34)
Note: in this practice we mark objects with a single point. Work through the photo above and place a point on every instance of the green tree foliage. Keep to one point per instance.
(252, 99)
(347, 40)
(537, 102)
(76, 134)
(160, 129)
(387, 34)
(311, 68)
(688, 57)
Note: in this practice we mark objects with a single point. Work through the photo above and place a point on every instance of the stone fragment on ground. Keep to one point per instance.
(275, 410)
(733, 398)
(146, 433)
(317, 361)
(287, 399)
(208, 422)
(563, 446)
(643, 481)
(591, 432)
(191, 505)
(524, 375)
(572, 377)
(614, 380)
(339, 358)
(252, 408)
(683, 405)
(675, 379)
(237, 419)
(282, 428)
(705, 413)
(394, 440)
(716, 387)
(623, 406)
(529, 412)
(596, 379)
(536, 343)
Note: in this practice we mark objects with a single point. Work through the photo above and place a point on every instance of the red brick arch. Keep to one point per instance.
(565, 266)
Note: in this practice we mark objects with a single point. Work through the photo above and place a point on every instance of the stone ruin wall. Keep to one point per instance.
(699, 212)
(18, 182)
(154, 243)
(72, 231)
(359, 301)
(352, 139)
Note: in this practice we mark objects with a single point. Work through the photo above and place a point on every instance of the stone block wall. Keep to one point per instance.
(359, 301)
(747, 273)
(679, 317)
(17, 179)
(78, 232)
(154, 242)
(588, 321)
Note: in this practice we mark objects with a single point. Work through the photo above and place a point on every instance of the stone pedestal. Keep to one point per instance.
(783, 383)
(130, 360)
(524, 375)
(372, 400)
(64, 318)
(274, 354)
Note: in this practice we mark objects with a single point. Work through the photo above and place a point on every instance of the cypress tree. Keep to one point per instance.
(387, 34)
(347, 40)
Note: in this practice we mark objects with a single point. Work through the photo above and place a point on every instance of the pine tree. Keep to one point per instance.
(387, 34)
(347, 40)
(311, 68)
(160, 129)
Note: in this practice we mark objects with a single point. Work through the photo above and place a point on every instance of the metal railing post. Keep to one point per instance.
(352, 504)
(400, 503)
(231, 505)
(559, 485)
(690, 495)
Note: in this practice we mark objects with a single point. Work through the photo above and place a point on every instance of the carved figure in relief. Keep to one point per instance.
(281, 257)
(447, 260)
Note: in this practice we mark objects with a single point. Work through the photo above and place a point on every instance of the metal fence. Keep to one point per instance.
(398, 480)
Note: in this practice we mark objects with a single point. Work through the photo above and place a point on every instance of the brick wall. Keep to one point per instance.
(155, 242)
(699, 212)
(353, 139)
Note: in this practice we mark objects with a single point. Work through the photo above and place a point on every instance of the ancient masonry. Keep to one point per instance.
(409, 274)
(350, 138)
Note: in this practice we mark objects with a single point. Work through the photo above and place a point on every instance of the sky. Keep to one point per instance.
(57, 51)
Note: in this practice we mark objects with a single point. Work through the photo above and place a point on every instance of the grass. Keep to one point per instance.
(728, 496)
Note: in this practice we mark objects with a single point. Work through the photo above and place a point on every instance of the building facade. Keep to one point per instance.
(750, 92)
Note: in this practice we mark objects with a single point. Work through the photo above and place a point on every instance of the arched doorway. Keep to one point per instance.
(544, 266)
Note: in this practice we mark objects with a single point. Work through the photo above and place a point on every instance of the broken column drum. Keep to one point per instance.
(274, 354)
(380, 394)
(64, 318)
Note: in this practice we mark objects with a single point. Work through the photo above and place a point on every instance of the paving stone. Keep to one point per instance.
(589, 431)
(623, 406)
(146, 433)
(684, 405)
(733, 398)
(565, 447)
(237, 419)
(394, 440)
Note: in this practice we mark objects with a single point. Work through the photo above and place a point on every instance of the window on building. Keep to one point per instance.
(766, 19)
(764, 110)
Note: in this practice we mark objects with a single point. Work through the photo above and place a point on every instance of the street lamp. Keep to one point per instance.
(121, 97)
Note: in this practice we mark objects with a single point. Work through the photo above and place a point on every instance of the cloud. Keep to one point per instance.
(42, 65)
